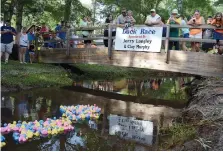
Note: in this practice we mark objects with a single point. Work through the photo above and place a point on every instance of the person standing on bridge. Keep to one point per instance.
(130, 19)
(196, 33)
(122, 19)
(109, 20)
(7, 33)
(45, 34)
(23, 42)
(61, 32)
(174, 32)
(84, 23)
(153, 19)
(218, 22)
(185, 32)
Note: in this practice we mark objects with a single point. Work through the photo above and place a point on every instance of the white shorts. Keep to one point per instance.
(196, 36)
(7, 47)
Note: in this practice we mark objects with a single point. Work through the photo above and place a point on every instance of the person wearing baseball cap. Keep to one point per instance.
(153, 19)
(174, 32)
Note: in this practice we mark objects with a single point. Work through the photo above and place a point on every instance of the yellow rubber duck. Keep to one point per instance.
(3, 144)
(36, 134)
(96, 116)
(49, 131)
(23, 132)
(82, 117)
(54, 132)
(61, 129)
(30, 134)
(23, 123)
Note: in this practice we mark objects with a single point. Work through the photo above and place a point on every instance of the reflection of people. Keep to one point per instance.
(6, 109)
(22, 109)
(155, 84)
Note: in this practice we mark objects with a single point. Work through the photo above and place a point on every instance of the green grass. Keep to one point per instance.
(176, 135)
(16, 75)
(93, 72)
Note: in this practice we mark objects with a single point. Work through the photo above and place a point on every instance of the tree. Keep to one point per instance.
(67, 9)
(7, 7)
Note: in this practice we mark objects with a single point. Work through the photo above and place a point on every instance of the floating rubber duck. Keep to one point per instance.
(3, 144)
(29, 134)
(37, 134)
(44, 133)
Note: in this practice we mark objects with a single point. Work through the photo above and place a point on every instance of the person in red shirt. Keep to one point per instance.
(46, 36)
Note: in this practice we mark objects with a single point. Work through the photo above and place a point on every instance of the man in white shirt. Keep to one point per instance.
(153, 19)
(121, 19)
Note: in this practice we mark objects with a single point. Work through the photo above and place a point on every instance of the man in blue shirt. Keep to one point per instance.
(7, 33)
(60, 29)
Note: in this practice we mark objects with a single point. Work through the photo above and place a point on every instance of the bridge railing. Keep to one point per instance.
(110, 27)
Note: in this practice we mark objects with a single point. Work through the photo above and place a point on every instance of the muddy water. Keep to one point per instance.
(143, 100)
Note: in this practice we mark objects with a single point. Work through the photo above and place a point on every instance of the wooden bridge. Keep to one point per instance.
(198, 63)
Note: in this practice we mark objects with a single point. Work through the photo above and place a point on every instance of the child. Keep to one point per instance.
(31, 53)
(23, 44)
(219, 47)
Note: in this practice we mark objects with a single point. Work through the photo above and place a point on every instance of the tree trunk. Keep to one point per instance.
(67, 12)
(19, 12)
(7, 13)
(94, 18)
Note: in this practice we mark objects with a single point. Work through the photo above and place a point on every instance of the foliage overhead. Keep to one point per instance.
(28, 12)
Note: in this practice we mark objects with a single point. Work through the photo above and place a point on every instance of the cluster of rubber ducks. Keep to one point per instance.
(2, 141)
(80, 112)
(26, 131)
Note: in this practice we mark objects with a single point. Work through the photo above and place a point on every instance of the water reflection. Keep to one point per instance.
(37, 104)
(163, 88)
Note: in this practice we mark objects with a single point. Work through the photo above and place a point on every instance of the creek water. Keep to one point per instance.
(141, 99)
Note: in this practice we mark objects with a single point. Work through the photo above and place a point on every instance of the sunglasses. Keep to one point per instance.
(218, 16)
(123, 12)
(152, 12)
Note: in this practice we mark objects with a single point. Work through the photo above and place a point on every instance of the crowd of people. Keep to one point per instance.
(126, 19)
(57, 38)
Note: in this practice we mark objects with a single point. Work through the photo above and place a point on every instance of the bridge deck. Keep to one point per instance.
(198, 63)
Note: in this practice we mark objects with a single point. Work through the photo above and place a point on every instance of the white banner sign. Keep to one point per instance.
(130, 128)
(139, 39)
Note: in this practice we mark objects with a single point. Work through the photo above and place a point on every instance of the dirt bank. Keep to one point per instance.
(203, 115)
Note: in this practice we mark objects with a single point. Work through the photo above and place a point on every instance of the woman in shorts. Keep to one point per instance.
(23, 44)
(196, 33)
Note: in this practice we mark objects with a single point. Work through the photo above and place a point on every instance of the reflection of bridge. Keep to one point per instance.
(198, 63)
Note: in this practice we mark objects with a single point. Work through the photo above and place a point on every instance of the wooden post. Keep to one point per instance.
(110, 41)
(105, 115)
(68, 42)
(36, 45)
(167, 43)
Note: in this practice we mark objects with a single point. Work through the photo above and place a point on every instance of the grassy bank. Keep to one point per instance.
(16, 76)
(87, 71)
(21, 76)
